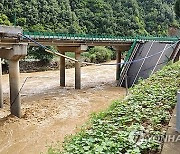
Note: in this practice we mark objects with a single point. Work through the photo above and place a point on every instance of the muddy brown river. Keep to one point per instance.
(51, 112)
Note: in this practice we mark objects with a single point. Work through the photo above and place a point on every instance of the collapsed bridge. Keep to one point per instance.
(143, 54)
(145, 58)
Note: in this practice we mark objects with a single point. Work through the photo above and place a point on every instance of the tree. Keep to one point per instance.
(4, 20)
(177, 8)
(40, 54)
(97, 17)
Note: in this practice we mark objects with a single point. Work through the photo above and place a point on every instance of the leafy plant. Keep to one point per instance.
(100, 54)
(147, 109)
(4, 20)
(39, 54)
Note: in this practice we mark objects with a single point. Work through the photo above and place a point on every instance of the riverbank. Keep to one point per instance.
(136, 124)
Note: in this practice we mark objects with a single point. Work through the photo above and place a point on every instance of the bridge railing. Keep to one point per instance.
(48, 35)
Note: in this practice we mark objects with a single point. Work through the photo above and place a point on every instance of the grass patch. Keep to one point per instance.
(147, 109)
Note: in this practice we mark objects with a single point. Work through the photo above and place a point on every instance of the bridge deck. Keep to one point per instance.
(90, 40)
(143, 69)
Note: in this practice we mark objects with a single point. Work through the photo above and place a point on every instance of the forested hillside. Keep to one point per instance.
(112, 17)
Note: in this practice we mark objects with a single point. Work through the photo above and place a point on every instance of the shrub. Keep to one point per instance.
(39, 54)
(100, 54)
(4, 20)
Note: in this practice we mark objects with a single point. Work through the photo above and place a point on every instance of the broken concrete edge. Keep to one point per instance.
(15, 52)
(10, 31)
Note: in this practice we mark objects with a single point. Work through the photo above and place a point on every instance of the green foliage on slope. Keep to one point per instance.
(147, 110)
(112, 17)
(97, 17)
(177, 8)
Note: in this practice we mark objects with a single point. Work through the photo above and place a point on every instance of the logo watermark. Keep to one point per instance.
(138, 137)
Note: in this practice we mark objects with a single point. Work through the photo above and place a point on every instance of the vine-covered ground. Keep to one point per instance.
(133, 125)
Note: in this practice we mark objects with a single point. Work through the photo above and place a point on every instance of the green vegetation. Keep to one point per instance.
(97, 17)
(99, 54)
(148, 108)
(39, 54)
(95, 55)
(177, 8)
(110, 17)
(4, 20)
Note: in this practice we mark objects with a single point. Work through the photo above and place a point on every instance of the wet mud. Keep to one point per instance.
(51, 112)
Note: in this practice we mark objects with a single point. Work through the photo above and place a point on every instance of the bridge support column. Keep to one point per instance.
(118, 67)
(1, 93)
(62, 70)
(15, 104)
(119, 50)
(77, 71)
(77, 50)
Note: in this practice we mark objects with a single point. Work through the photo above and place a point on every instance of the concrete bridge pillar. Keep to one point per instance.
(12, 50)
(1, 92)
(15, 102)
(77, 71)
(13, 53)
(118, 67)
(119, 50)
(77, 50)
(62, 70)
(78, 65)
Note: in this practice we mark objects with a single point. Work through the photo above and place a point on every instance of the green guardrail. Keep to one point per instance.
(49, 35)
(130, 50)
(129, 53)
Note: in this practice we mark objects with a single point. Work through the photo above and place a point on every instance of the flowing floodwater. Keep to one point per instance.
(51, 112)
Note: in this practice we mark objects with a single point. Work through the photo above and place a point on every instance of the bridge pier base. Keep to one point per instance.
(77, 71)
(15, 103)
(62, 70)
(1, 92)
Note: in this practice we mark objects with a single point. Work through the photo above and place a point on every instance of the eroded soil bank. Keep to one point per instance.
(51, 112)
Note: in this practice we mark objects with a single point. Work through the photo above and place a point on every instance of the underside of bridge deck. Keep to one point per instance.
(54, 42)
